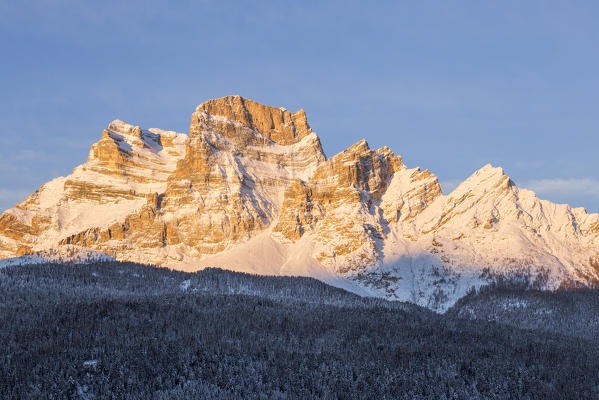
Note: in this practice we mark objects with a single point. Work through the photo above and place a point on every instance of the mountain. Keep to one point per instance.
(250, 189)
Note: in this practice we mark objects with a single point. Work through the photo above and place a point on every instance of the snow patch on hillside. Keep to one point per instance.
(66, 254)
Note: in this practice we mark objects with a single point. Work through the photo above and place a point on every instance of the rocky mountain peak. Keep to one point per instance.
(486, 180)
(359, 147)
(124, 128)
(251, 189)
(275, 123)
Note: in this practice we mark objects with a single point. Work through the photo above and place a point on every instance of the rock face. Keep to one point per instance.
(125, 168)
(350, 200)
(250, 189)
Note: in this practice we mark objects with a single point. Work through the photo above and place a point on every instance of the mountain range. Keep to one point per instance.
(250, 189)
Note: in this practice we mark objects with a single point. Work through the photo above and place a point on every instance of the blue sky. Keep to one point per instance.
(450, 86)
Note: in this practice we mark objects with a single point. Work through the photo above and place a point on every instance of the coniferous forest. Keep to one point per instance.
(127, 331)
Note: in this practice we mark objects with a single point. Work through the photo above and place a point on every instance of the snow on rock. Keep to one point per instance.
(251, 190)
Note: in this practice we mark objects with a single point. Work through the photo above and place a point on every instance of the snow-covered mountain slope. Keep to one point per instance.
(487, 229)
(125, 169)
(250, 189)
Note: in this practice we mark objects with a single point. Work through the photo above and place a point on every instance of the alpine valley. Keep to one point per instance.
(250, 189)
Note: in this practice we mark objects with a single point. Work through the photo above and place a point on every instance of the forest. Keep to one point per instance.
(127, 331)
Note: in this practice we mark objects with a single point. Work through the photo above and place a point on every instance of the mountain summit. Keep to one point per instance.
(250, 189)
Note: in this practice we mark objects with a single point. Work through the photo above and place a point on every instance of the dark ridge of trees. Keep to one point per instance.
(121, 330)
(573, 312)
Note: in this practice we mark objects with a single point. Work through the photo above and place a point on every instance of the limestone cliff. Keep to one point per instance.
(250, 189)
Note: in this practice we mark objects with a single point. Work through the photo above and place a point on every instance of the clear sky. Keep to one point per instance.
(449, 85)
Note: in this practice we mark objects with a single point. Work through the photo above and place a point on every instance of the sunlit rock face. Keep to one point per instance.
(181, 195)
(126, 166)
(240, 158)
(250, 189)
(349, 202)
(273, 124)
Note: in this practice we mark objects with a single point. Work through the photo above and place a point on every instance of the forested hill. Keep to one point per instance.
(119, 330)
(567, 312)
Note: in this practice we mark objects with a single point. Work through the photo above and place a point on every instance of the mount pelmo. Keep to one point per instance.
(250, 189)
